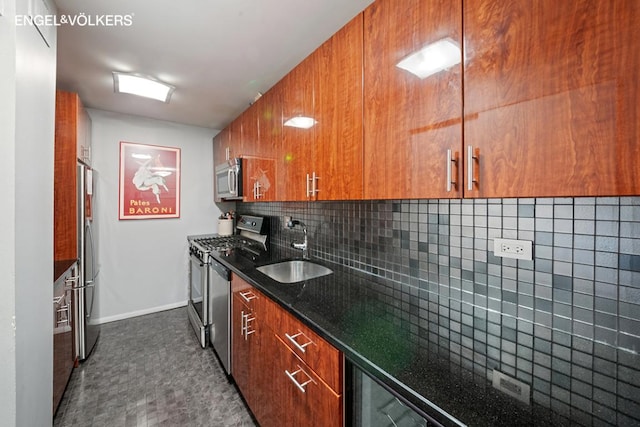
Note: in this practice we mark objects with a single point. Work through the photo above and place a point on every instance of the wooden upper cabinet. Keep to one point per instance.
(221, 149)
(72, 128)
(551, 97)
(260, 144)
(296, 150)
(411, 122)
(236, 146)
(338, 112)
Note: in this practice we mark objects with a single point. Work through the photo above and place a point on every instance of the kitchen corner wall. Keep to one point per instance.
(567, 323)
(144, 263)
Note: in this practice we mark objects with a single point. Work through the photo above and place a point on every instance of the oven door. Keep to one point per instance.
(198, 307)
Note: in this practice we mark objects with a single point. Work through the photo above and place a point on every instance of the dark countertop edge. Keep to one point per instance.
(414, 399)
(60, 267)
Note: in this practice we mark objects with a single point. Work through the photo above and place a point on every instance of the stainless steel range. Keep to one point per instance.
(209, 305)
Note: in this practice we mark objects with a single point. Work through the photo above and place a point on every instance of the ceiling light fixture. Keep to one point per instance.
(301, 122)
(142, 86)
(432, 58)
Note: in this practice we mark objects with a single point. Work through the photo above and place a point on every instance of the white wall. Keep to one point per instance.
(7, 214)
(144, 263)
(27, 80)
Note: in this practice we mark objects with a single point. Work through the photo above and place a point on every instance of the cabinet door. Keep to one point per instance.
(296, 152)
(248, 121)
(551, 97)
(235, 138)
(409, 121)
(65, 225)
(221, 147)
(260, 166)
(241, 347)
(338, 111)
(302, 398)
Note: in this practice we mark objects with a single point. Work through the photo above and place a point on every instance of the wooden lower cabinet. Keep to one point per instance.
(63, 333)
(301, 397)
(270, 375)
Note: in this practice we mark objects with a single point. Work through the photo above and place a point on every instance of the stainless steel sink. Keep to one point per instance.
(294, 271)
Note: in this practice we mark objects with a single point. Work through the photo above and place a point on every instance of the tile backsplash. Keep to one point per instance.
(567, 322)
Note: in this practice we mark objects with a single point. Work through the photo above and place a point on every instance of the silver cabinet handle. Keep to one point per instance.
(244, 325)
(248, 332)
(248, 296)
(451, 159)
(256, 190)
(301, 386)
(314, 189)
(63, 312)
(300, 347)
(471, 158)
(308, 190)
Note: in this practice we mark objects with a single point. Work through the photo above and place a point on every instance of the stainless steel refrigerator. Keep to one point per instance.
(87, 290)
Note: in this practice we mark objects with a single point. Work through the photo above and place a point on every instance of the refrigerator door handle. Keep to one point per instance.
(90, 283)
(93, 257)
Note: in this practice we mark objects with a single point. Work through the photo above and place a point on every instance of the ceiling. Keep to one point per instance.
(217, 53)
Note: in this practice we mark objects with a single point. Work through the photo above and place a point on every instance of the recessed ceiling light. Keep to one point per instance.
(142, 86)
(301, 122)
(432, 58)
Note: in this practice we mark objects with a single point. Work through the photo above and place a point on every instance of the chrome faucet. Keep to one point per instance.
(303, 246)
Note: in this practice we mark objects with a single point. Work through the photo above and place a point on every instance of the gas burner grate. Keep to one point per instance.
(217, 243)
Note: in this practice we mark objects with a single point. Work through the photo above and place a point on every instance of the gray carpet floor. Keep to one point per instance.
(151, 371)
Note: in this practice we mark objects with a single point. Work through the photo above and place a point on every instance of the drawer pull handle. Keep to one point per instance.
(248, 296)
(302, 386)
(299, 346)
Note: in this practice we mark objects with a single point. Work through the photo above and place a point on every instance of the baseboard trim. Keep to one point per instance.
(137, 313)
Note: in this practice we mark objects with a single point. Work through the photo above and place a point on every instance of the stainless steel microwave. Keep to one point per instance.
(228, 181)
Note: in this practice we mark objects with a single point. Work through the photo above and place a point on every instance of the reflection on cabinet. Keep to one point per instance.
(72, 130)
(301, 379)
(551, 97)
(259, 179)
(411, 122)
(63, 333)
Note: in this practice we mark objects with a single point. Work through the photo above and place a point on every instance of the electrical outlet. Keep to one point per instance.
(508, 248)
(512, 387)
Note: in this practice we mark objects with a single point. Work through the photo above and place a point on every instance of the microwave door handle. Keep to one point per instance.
(234, 182)
(229, 181)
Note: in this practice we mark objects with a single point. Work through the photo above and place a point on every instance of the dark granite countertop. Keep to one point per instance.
(61, 267)
(362, 316)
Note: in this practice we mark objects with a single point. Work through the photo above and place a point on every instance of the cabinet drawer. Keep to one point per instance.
(249, 295)
(303, 397)
(321, 356)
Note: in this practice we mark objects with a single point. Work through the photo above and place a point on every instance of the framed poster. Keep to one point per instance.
(149, 181)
